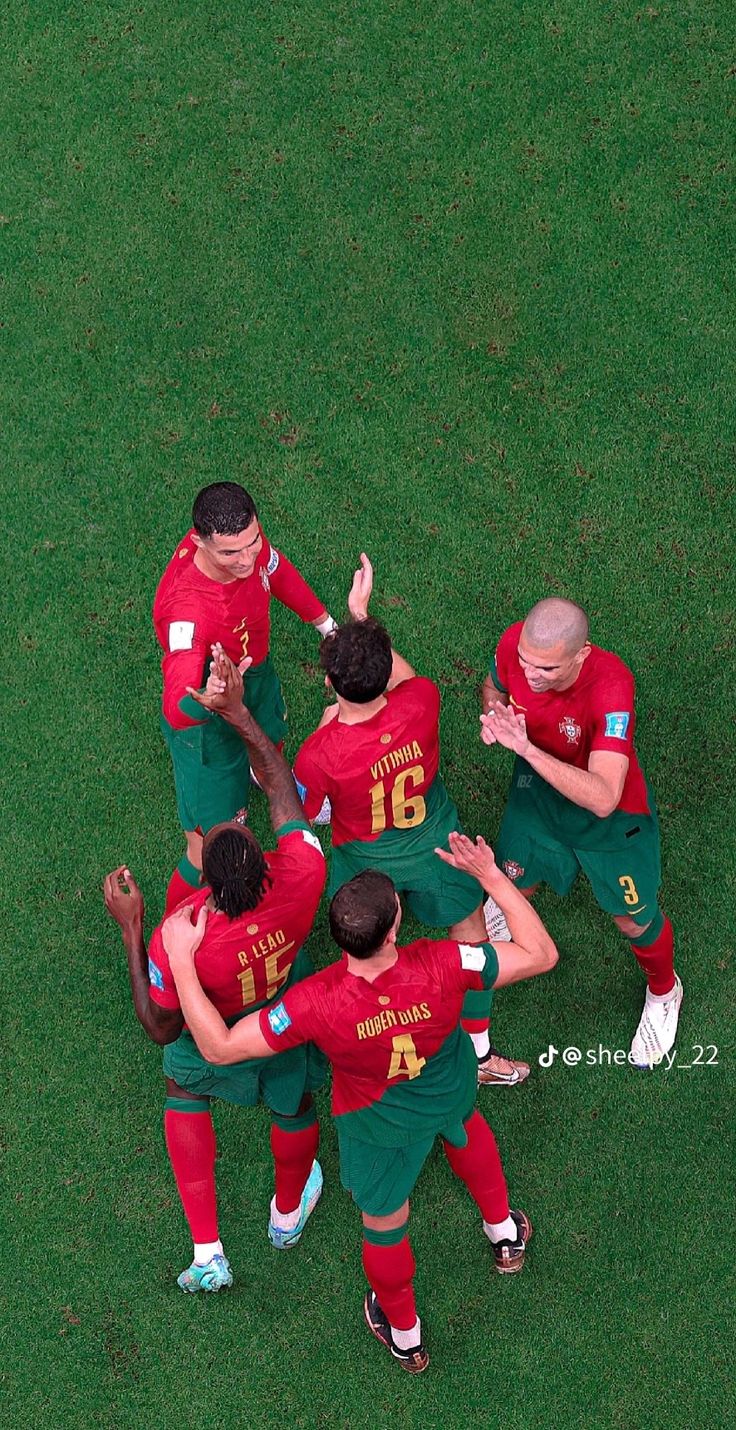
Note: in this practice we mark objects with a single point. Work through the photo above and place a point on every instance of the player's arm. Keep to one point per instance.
(358, 602)
(224, 694)
(532, 951)
(124, 902)
(216, 1042)
(288, 586)
(492, 696)
(599, 788)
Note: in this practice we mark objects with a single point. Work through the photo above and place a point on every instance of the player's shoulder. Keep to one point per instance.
(181, 577)
(429, 952)
(195, 899)
(508, 640)
(417, 689)
(605, 666)
(268, 558)
(297, 840)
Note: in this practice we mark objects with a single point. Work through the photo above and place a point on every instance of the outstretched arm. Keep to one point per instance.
(124, 903)
(599, 788)
(224, 693)
(358, 602)
(531, 951)
(216, 1042)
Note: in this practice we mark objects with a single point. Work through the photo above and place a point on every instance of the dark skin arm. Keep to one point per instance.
(124, 902)
(224, 694)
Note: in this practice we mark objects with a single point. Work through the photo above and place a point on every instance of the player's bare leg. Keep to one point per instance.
(389, 1307)
(298, 1175)
(190, 1142)
(493, 1067)
(478, 1165)
(653, 947)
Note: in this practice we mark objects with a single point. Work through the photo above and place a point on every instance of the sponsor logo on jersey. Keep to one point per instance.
(617, 724)
(272, 562)
(278, 1019)
(155, 976)
(181, 635)
(472, 957)
(512, 870)
(569, 726)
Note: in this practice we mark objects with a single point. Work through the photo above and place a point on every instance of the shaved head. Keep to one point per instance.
(554, 622)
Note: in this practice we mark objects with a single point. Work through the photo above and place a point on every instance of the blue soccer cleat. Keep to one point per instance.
(283, 1240)
(213, 1276)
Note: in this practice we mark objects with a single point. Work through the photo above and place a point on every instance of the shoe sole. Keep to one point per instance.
(515, 1267)
(379, 1335)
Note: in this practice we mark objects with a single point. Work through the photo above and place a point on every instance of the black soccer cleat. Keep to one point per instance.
(414, 1360)
(509, 1255)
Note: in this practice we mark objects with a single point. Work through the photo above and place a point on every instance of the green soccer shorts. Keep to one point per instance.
(624, 877)
(437, 894)
(380, 1179)
(211, 765)
(280, 1082)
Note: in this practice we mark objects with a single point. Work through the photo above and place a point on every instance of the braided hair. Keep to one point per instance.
(234, 866)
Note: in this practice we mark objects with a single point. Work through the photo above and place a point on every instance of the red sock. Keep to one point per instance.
(474, 1025)
(479, 1166)
(190, 1141)
(293, 1155)
(177, 891)
(390, 1271)
(657, 960)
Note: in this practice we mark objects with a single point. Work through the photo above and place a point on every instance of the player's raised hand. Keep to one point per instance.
(224, 688)
(474, 857)
(123, 898)
(181, 938)
(361, 589)
(507, 728)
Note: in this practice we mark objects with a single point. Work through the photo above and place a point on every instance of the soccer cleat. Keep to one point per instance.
(496, 1070)
(325, 814)
(509, 1255)
(496, 926)
(283, 1240)
(657, 1028)
(414, 1360)
(213, 1276)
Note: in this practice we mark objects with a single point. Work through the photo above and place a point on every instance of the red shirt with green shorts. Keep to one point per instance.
(389, 805)
(545, 836)
(244, 964)
(403, 1071)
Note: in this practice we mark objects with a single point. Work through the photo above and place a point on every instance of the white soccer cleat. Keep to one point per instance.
(496, 926)
(657, 1029)
(325, 814)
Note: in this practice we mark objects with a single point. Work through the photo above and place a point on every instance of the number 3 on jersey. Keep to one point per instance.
(404, 1060)
(407, 809)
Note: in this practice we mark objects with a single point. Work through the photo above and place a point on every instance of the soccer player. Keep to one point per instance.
(403, 1070)
(260, 909)
(578, 798)
(217, 587)
(375, 756)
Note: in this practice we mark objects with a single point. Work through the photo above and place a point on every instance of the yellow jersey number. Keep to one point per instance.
(275, 977)
(407, 808)
(404, 1060)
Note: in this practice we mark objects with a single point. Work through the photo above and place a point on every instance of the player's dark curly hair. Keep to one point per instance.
(223, 507)
(357, 657)
(362, 913)
(235, 869)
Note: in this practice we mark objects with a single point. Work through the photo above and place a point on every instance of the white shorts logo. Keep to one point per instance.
(181, 635)
(472, 957)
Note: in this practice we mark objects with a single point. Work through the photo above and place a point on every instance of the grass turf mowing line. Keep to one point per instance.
(452, 286)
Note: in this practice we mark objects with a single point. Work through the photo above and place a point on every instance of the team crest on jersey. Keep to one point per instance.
(617, 723)
(511, 869)
(568, 726)
(278, 1019)
(266, 584)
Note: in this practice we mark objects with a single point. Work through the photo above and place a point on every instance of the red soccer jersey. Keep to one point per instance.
(403, 1028)
(243, 962)
(375, 773)
(596, 713)
(191, 612)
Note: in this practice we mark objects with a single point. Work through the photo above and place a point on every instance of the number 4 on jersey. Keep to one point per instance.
(404, 1060)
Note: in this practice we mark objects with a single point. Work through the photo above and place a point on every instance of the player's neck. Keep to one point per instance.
(371, 968)
(203, 565)
(351, 714)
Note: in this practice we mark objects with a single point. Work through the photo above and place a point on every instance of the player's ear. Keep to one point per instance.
(328, 683)
(197, 540)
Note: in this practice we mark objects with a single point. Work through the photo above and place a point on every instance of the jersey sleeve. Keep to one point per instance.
(310, 781)
(613, 716)
(302, 862)
(288, 586)
(501, 661)
(291, 1021)
(421, 691)
(161, 985)
(468, 966)
(185, 658)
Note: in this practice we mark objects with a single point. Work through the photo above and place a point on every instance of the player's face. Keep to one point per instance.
(230, 558)
(551, 669)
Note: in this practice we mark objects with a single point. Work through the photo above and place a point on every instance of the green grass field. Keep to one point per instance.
(453, 284)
